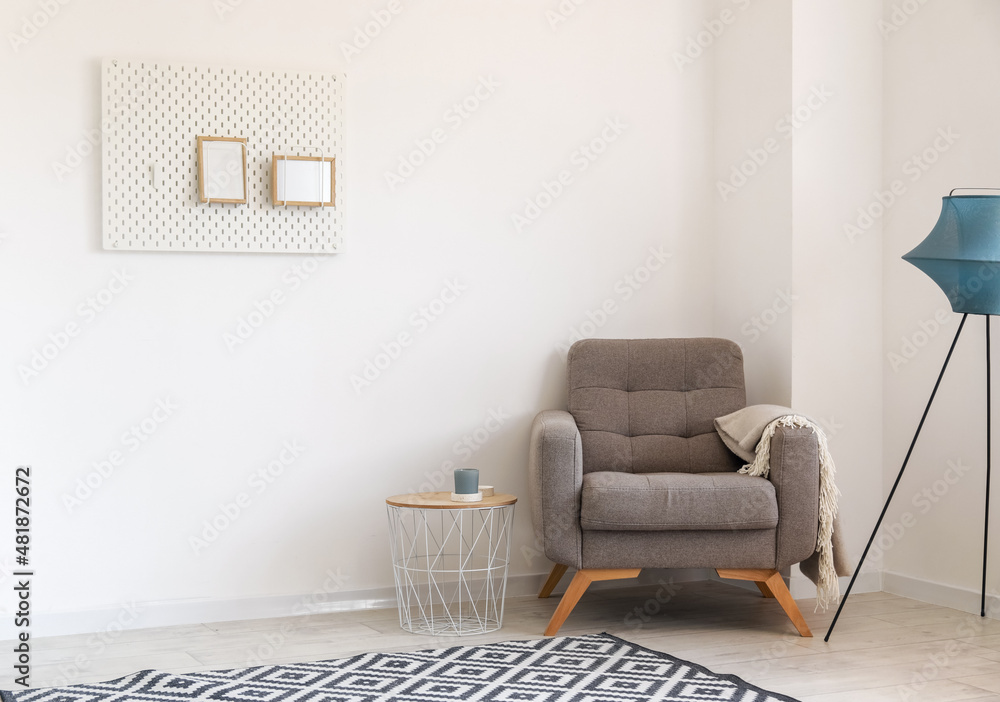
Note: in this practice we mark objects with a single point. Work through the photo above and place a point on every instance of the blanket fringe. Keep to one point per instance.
(828, 586)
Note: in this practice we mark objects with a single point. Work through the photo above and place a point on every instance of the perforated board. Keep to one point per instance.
(151, 115)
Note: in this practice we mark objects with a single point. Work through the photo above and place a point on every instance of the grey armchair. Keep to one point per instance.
(635, 476)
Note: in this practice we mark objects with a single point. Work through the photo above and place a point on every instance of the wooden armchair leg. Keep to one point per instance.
(764, 589)
(770, 580)
(581, 581)
(558, 570)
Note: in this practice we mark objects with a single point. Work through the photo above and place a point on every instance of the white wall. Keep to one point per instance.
(866, 335)
(837, 314)
(939, 62)
(496, 347)
(799, 142)
(752, 192)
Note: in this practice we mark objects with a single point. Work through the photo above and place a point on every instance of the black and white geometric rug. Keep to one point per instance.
(593, 668)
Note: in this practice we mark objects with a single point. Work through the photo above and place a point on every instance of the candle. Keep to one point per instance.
(466, 481)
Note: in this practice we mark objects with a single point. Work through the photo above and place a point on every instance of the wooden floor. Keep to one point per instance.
(884, 648)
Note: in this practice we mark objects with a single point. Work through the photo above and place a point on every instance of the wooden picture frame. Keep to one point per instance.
(222, 169)
(295, 182)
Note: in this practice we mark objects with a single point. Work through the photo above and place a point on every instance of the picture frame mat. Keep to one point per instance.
(222, 169)
(295, 180)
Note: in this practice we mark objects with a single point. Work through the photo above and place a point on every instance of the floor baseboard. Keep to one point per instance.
(108, 622)
(802, 588)
(962, 599)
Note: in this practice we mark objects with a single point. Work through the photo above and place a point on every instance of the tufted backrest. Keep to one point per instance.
(648, 405)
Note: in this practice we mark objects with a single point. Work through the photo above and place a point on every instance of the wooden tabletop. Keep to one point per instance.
(442, 500)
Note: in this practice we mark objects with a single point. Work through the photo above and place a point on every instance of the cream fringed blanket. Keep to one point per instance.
(741, 430)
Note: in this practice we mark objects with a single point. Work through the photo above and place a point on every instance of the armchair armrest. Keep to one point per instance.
(555, 479)
(795, 476)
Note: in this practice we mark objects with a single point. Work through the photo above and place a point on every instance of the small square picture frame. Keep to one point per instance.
(294, 181)
(222, 169)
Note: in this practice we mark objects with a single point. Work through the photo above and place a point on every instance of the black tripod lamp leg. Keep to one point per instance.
(899, 475)
(986, 520)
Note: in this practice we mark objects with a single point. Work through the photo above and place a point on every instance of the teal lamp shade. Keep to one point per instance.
(962, 253)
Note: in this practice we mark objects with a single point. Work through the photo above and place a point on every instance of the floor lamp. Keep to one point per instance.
(961, 255)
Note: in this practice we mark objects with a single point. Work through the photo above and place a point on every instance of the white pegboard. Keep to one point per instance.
(152, 113)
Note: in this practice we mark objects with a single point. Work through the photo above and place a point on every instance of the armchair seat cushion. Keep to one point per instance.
(617, 501)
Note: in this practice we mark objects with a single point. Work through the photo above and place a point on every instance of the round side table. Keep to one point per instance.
(450, 561)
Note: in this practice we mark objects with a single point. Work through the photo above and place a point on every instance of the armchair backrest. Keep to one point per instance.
(648, 405)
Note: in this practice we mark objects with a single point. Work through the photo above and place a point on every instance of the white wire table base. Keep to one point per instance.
(450, 567)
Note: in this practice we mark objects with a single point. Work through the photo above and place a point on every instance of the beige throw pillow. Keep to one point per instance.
(741, 430)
